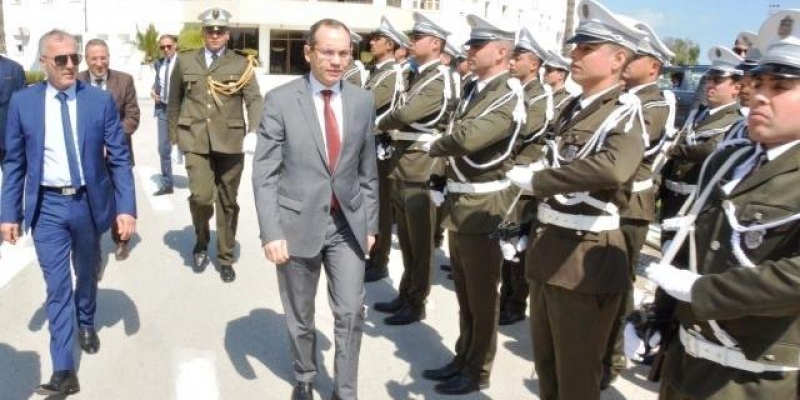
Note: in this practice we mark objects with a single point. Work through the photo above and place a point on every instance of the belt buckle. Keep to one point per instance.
(69, 191)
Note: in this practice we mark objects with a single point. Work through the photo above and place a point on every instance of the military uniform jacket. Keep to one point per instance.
(561, 98)
(530, 149)
(759, 307)
(197, 122)
(422, 104)
(354, 75)
(586, 262)
(481, 139)
(655, 110)
(381, 83)
(687, 159)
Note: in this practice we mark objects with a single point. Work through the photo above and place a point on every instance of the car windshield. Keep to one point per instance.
(687, 79)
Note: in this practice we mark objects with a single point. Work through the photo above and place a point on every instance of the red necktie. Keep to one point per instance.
(332, 139)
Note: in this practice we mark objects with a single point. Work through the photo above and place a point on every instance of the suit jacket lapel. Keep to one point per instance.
(309, 111)
(82, 112)
(38, 108)
(788, 161)
(348, 114)
(591, 108)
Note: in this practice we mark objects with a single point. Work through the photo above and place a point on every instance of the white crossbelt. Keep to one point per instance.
(478, 187)
(641, 186)
(699, 347)
(411, 136)
(679, 187)
(592, 223)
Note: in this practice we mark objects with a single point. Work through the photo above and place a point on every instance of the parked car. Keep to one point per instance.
(687, 82)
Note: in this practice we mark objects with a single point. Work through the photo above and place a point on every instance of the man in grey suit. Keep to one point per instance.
(316, 192)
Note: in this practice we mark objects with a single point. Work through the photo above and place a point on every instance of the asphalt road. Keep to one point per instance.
(169, 333)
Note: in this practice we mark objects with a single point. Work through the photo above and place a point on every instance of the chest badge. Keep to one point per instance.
(754, 239)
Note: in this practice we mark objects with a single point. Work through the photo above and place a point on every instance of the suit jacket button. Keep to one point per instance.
(326, 209)
(714, 245)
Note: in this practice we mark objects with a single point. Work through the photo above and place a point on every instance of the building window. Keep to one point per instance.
(245, 40)
(393, 3)
(426, 4)
(286, 52)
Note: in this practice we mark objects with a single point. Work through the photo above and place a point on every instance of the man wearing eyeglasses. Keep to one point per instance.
(120, 85)
(316, 190)
(209, 89)
(160, 94)
(67, 177)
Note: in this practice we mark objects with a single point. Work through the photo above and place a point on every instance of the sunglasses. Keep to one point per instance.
(210, 30)
(61, 59)
(717, 79)
(165, 47)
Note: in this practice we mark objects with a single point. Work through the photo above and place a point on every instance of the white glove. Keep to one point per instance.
(522, 244)
(385, 152)
(509, 250)
(177, 155)
(522, 177)
(676, 282)
(634, 345)
(249, 144)
(437, 197)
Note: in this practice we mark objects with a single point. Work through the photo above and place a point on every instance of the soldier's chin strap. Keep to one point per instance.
(229, 89)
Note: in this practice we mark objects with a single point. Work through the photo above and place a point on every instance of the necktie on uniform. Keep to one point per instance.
(165, 89)
(99, 83)
(332, 139)
(69, 142)
(214, 57)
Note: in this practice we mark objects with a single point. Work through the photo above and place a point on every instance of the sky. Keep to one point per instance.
(707, 22)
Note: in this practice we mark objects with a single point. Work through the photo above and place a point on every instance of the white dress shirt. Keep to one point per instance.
(208, 54)
(55, 169)
(163, 72)
(336, 105)
(103, 78)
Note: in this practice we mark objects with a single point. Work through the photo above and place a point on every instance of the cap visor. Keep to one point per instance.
(779, 70)
(584, 38)
(475, 42)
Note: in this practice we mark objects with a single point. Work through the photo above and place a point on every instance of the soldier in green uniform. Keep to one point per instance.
(641, 79)
(556, 71)
(356, 73)
(208, 91)
(486, 124)
(578, 263)
(738, 308)
(410, 124)
(700, 136)
(525, 64)
(386, 84)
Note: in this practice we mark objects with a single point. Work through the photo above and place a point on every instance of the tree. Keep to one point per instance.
(686, 51)
(191, 37)
(147, 42)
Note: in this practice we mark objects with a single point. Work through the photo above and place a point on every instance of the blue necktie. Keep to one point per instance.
(69, 142)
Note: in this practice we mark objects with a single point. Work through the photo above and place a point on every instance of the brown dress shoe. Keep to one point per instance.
(122, 251)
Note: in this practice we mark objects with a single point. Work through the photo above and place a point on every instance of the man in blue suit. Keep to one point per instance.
(56, 137)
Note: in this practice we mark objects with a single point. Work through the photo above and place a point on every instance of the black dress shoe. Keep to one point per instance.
(87, 337)
(303, 391)
(62, 383)
(391, 306)
(509, 317)
(410, 313)
(122, 251)
(442, 374)
(164, 189)
(200, 258)
(374, 272)
(461, 384)
(446, 267)
(226, 273)
(609, 376)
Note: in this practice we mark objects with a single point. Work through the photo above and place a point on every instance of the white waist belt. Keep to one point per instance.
(699, 347)
(592, 223)
(679, 187)
(478, 187)
(411, 136)
(641, 186)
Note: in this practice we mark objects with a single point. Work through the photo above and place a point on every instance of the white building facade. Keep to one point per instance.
(275, 28)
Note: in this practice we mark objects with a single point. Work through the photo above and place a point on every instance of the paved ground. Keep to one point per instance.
(168, 333)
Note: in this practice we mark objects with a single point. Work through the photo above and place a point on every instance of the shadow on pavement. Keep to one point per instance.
(520, 333)
(637, 374)
(178, 181)
(20, 372)
(182, 241)
(113, 306)
(261, 335)
(418, 344)
(108, 247)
